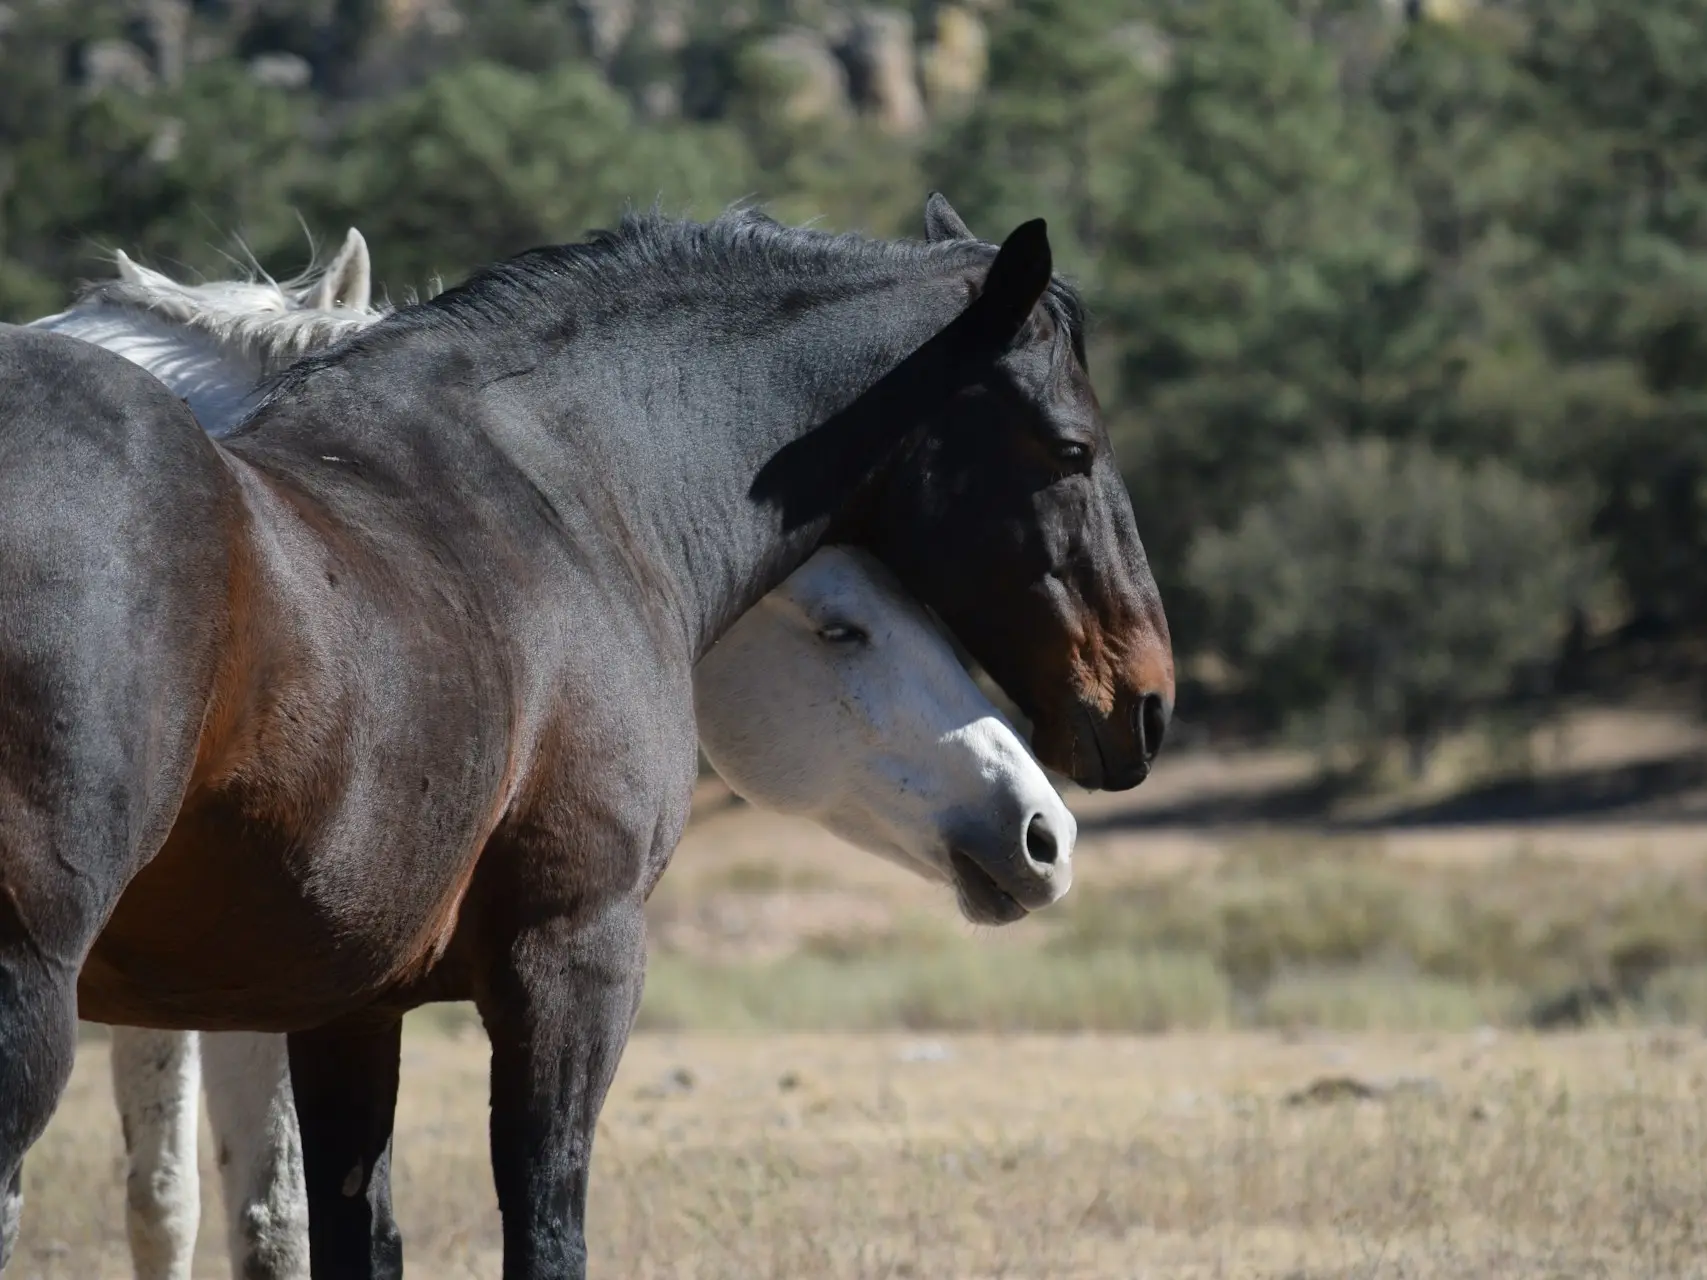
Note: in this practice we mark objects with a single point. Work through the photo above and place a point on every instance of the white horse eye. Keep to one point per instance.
(843, 633)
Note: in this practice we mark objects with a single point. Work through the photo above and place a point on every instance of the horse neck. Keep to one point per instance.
(216, 378)
(711, 467)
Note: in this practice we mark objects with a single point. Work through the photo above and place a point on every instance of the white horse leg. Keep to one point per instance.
(155, 1074)
(247, 1076)
(11, 1215)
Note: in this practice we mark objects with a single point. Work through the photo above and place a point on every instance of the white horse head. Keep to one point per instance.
(836, 697)
(213, 343)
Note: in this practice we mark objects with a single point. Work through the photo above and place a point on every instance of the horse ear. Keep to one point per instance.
(134, 273)
(1016, 281)
(128, 271)
(942, 222)
(348, 282)
(811, 477)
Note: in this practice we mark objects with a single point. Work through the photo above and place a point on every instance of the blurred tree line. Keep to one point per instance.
(1400, 306)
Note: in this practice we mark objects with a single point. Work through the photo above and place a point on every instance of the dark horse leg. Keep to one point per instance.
(64, 856)
(38, 1039)
(344, 1078)
(558, 1012)
(41, 947)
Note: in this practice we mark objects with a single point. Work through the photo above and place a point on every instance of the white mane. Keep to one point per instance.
(212, 343)
(258, 321)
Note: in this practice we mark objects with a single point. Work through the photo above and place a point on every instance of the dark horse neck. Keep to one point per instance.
(695, 429)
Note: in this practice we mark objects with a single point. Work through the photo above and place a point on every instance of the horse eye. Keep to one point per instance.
(1071, 452)
(843, 633)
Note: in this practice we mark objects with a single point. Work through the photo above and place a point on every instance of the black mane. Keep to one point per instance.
(647, 257)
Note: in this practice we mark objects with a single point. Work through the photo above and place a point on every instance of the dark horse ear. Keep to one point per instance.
(942, 222)
(811, 476)
(1016, 281)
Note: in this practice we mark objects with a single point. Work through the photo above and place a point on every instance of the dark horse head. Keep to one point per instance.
(1006, 513)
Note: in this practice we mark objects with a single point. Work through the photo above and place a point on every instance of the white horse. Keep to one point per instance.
(835, 697)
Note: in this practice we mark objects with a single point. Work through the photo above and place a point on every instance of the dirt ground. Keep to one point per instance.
(1291, 1156)
(1249, 1155)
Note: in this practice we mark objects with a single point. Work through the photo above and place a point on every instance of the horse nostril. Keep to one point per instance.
(1149, 724)
(1040, 844)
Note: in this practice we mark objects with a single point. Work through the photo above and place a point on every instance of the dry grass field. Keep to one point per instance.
(1254, 1043)
(1244, 1154)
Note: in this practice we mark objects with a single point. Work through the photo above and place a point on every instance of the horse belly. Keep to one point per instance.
(228, 928)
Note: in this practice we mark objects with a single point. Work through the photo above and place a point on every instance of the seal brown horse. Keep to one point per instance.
(418, 725)
(834, 697)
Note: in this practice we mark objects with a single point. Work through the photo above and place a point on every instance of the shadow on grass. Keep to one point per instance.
(1671, 789)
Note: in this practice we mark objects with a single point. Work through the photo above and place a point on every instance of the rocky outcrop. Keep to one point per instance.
(667, 26)
(101, 65)
(882, 76)
(605, 25)
(953, 65)
(440, 18)
(1432, 10)
(165, 33)
(1148, 45)
(800, 75)
(280, 71)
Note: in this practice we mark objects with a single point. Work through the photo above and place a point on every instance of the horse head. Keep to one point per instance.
(1006, 514)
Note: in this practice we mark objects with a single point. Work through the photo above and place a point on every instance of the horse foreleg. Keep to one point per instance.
(558, 1012)
(155, 1079)
(344, 1078)
(38, 1042)
(249, 1103)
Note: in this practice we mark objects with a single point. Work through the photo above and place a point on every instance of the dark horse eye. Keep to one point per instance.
(843, 633)
(1071, 452)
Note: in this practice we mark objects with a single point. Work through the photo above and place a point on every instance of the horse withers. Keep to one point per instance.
(416, 724)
